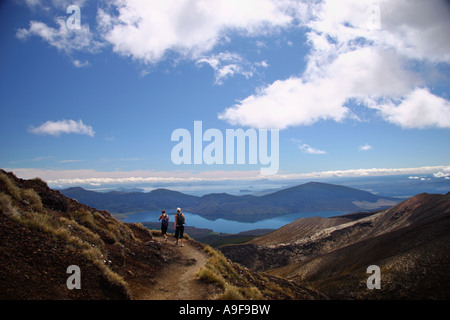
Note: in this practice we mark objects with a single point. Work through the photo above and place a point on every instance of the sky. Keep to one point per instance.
(93, 94)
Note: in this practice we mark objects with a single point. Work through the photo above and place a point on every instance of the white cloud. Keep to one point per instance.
(350, 60)
(65, 40)
(310, 150)
(306, 148)
(263, 64)
(445, 173)
(419, 109)
(288, 103)
(147, 30)
(226, 65)
(80, 64)
(361, 51)
(47, 5)
(32, 3)
(56, 128)
(81, 177)
(365, 147)
(63, 4)
(417, 29)
(413, 28)
(323, 92)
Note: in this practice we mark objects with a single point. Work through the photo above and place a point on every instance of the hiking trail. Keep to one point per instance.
(176, 281)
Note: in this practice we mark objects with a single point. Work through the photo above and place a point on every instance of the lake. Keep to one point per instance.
(230, 226)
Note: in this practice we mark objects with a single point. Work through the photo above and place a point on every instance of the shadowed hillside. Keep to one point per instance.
(43, 232)
(409, 242)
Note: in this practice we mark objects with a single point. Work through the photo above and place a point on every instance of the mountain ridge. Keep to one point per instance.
(313, 196)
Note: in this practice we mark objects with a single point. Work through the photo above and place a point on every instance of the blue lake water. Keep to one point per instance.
(230, 226)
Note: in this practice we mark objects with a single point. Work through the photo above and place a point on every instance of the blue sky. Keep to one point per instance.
(355, 88)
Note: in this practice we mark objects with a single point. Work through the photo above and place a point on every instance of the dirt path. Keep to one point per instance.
(177, 281)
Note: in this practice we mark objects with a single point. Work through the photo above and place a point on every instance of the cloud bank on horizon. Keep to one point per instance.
(68, 178)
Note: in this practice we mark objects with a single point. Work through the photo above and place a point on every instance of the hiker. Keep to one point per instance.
(179, 226)
(164, 224)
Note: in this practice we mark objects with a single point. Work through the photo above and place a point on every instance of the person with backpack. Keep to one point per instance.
(179, 226)
(164, 224)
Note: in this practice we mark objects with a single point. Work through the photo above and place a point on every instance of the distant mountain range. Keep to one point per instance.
(307, 197)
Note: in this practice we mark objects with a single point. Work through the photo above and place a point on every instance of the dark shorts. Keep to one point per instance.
(163, 229)
(179, 231)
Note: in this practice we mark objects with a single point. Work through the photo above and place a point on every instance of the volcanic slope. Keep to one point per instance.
(410, 242)
(43, 232)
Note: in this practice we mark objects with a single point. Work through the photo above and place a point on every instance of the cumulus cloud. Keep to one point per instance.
(226, 65)
(361, 51)
(147, 30)
(418, 109)
(56, 128)
(65, 40)
(354, 59)
(150, 31)
(323, 92)
(286, 103)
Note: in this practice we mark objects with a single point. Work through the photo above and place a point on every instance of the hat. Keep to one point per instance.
(178, 209)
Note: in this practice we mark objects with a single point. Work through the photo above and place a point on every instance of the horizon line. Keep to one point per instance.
(99, 178)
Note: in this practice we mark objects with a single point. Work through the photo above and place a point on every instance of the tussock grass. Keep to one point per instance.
(232, 293)
(211, 275)
(30, 197)
(241, 293)
(83, 217)
(220, 270)
(38, 220)
(79, 230)
(10, 186)
(40, 182)
(6, 207)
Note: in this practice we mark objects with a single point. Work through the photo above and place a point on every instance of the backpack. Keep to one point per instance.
(180, 219)
(165, 221)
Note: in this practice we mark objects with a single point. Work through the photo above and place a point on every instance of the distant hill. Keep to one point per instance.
(410, 242)
(308, 197)
(126, 202)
